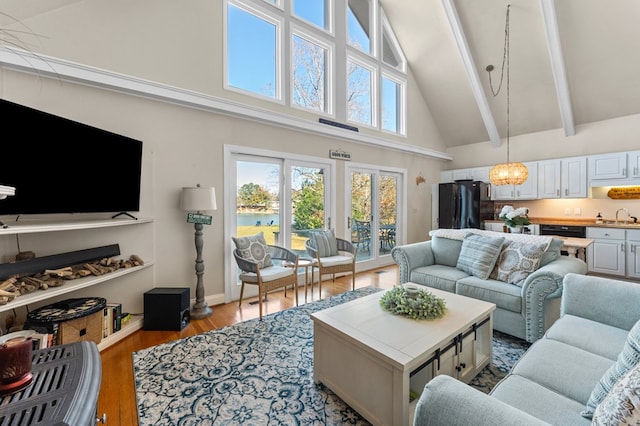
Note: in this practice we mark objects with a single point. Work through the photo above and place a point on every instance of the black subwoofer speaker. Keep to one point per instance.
(166, 308)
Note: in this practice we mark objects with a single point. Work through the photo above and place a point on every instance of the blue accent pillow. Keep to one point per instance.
(478, 254)
(325, 242)
(628, 358)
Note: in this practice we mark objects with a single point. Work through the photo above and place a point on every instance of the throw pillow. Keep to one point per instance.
(621, 406)
(478, 254)
(628, 358)
(517, 260)
(255, 249)
(325, 242)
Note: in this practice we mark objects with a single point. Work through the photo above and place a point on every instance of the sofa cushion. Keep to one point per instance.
(535, 399)
(325, 242)
(592, 336)
(437, 276)
(517, 260)
(562, 368)
(622, 403)
(628, 358)
(446, 251)
(553, 251)
(507, 297)
(478, 254)
(254, 248)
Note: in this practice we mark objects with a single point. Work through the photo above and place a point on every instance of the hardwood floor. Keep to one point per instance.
(117, 392)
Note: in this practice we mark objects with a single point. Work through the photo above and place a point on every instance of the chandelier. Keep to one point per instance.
(506, 173)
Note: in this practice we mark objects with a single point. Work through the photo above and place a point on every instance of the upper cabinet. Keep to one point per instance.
(564, 178)
(618, 168)
(608, 166)
(475, 173)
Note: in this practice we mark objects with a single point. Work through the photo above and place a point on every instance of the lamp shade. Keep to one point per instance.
(198, 199)
(508, 174)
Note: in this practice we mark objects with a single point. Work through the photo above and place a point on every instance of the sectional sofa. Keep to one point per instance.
(521, 274)
(585, 369)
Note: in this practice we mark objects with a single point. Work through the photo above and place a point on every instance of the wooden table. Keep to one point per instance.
(575, 247)
(372, 359)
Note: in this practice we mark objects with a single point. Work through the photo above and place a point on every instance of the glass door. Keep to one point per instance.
(282, 198)
(374, 211)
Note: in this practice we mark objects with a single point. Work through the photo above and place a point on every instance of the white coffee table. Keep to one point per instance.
(372, 359)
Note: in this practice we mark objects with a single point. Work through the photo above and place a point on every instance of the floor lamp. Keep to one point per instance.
(199, 199)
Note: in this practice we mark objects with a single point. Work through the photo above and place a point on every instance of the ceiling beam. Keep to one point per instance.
(557, 65)
(472, 73)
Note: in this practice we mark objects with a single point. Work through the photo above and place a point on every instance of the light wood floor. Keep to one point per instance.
(117, 392)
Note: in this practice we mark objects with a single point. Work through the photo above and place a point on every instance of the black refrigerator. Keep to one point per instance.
(464, 204)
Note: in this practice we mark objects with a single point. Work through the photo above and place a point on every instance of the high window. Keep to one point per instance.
(338, 59)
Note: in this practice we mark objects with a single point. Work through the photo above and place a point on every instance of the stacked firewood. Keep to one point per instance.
(16, 286)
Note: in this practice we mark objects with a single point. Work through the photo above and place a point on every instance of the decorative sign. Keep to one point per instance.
(340, 155)
(624, 193)
(198, 218)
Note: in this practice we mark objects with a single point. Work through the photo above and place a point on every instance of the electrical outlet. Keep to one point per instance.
(567, 211)
(577, 211)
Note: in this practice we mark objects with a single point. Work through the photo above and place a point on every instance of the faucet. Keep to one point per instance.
(626, 211)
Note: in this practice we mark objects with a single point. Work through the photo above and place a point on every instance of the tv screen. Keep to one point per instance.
(58, 165)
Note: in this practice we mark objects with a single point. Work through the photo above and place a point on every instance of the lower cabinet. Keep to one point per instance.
(607, 254)
(633, 253)
(462, 358)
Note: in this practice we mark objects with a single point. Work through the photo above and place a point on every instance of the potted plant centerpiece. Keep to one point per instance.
(515, 219)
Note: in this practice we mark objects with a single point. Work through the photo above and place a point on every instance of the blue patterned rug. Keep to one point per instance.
(259, 373)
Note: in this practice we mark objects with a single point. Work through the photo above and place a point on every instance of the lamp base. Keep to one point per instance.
(200, 312)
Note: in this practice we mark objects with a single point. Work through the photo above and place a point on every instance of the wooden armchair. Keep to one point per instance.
(279, 275)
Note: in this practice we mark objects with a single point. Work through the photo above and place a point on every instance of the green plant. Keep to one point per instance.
(422, 305)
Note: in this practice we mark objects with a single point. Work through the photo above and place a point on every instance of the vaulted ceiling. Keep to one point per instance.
(594, 76)
(572, 62)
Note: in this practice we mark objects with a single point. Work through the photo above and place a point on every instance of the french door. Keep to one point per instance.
(283, 197)
(375, 214)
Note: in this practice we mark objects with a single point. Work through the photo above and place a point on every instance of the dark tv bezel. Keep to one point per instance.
(47, 135)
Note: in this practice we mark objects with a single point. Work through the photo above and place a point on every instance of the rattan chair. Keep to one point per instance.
(345, 261)
(283, 273)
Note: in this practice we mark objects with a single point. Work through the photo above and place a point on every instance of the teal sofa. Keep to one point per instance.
(525, 310)
(555, 380)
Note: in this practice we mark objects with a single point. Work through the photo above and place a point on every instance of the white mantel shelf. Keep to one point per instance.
(27, 227)
(69, 286)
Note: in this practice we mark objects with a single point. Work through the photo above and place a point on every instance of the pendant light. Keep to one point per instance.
(506, 173)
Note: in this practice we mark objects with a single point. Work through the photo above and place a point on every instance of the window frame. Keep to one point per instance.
(302, 32)
(279, 24)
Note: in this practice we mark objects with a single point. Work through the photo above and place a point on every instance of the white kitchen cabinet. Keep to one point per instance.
(446, 176)
(608, 166)
(633, 253)
(563, 178)
(527, 191)
(607, 254)
(633, 161)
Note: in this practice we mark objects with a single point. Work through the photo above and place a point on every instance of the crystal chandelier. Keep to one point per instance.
(506, 173)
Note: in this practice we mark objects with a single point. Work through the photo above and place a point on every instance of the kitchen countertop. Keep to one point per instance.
(607, 223)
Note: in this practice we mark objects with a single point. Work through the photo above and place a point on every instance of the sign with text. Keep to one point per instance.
(198, 218)
(340, 155)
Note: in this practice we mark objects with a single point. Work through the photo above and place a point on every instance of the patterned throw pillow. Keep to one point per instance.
(621, 406)
(628, 359)
(478, 254)
(255, 249)
(517, 260)
(325, 242)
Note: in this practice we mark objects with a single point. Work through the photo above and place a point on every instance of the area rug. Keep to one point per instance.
(259, 373)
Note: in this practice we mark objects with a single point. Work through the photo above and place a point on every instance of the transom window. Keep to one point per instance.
(303, 73)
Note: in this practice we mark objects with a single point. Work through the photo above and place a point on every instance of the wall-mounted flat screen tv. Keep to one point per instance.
(59, 165)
